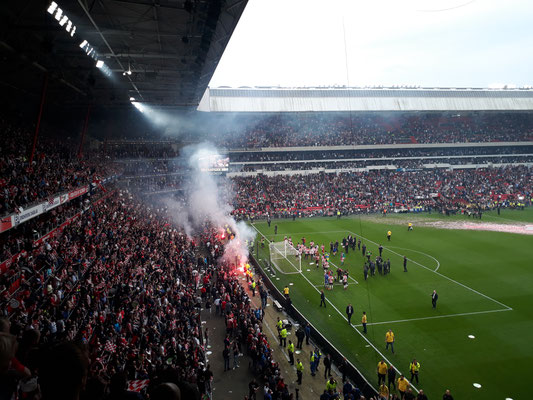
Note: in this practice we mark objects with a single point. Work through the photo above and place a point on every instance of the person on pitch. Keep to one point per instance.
(434, 298)
(349, 313)
(322, 299)
(389, 340)
(414, 367)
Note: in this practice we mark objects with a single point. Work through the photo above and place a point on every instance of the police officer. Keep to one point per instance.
(290, 349)
(283, 337)
(414, 367)
(299, 370)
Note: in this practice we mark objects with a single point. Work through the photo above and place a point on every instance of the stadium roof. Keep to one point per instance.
(365, 99)
(171, 47)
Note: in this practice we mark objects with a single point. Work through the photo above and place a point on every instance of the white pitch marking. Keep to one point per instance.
(438, 273)
(435, 317)
(357, 330)
(346, 319)
(419, 252)
(351, 277)
(303, 233)
(321, 285)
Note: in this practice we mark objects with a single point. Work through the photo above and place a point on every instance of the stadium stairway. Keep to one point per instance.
(311, 387)
(233, 384)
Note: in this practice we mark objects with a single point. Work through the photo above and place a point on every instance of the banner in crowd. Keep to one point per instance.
(137, 385)
(15, 219)
(4, 265)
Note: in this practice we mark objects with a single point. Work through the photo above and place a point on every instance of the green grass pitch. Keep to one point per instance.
(485, 285)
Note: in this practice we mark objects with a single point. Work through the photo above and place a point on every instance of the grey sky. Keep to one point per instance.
(457, 43)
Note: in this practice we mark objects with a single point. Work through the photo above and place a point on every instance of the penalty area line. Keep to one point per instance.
(346, 319)
(419, 252)
(321, 285)
(349, 276)
(436, 317)
(438, 273)
(357, 330)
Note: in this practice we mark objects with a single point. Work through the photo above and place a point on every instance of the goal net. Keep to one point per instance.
(285, 257)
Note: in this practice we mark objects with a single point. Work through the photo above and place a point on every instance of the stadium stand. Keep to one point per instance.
(55, 168)
(342, 129)
(98, 270)
(110, 283)
(374, 191)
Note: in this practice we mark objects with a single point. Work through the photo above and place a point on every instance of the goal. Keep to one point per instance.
(285, 257)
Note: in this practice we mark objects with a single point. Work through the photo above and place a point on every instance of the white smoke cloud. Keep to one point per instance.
(207, 199)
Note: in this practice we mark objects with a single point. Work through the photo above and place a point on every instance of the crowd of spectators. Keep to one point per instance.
(395, 163)
(156, 183)
(139, 149)
(22, 237)
(351, 192)
(150, 167)
(116, 298)
(55, 167)
(165, 174)
(120, 283)
(294, 155)
(335, 129)
(332, 129)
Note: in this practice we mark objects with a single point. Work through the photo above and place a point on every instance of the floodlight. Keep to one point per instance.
(73, 31)
(99, 64)
(132, 98)
(63, 20)
(59, 14)
(52, 7)
(138, 106)
(83, 44)
(69, 26)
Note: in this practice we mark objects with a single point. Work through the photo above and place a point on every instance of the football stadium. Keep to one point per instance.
(231, 199)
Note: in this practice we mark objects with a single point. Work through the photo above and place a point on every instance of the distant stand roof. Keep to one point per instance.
(364, 99)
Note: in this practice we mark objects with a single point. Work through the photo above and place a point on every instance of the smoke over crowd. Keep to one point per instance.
(205, 200)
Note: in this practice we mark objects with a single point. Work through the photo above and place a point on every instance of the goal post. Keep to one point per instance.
(285, 257)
